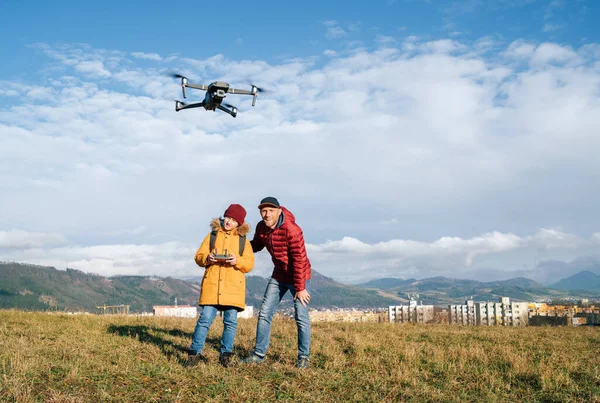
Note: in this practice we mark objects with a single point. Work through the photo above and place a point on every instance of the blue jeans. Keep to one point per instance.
(205, 320)
(273, 295)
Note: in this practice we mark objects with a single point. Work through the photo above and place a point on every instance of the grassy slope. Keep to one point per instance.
(55, 357)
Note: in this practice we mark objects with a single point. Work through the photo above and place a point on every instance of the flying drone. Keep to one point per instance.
(215, 93)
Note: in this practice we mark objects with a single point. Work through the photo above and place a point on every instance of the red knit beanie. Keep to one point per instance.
(236, 212)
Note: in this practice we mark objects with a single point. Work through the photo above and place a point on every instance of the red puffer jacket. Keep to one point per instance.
(285, 243)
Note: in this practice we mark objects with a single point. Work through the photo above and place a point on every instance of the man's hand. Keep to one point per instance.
(303, 296)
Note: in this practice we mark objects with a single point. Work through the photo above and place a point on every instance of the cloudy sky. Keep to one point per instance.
(410, 138)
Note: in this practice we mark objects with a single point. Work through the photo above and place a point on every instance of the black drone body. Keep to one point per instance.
(215, 93)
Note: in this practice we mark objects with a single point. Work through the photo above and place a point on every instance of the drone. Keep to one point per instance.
(215, 93)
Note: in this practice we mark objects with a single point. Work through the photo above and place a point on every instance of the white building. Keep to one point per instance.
(488, 313)
(462, 314)
(503, 313)
(246, 313)
(410, 313)
(180, 311)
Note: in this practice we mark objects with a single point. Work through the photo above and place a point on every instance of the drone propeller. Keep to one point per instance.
(258, 89)
(255, 90)
(184, 81)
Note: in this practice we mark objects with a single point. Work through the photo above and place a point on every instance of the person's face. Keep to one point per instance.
(270, 216)
(229, 223)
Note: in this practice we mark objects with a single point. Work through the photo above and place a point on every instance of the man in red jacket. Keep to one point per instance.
(283, 238)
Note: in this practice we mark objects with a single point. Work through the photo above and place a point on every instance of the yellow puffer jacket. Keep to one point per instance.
(223, 284)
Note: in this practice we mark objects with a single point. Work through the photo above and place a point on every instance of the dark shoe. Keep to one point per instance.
(194, 359)
(303, 363)
(226, 359)
(253, 359)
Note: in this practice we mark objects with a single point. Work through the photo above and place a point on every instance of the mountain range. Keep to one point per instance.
(33, 287)
(584, 280)
(443, 290)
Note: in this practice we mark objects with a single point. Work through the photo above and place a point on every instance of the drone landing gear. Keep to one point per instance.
(180, 105)
(232, 111)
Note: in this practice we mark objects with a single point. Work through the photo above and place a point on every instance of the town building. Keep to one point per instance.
(501, 313)
(543, 314)
(180, 311)
(411, 313)
(247, 313)
(344, 315)
(462, 314)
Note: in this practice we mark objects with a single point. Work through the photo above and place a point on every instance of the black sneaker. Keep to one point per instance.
(253, 359)
(303, 363)
(226, 359)
(194, 359)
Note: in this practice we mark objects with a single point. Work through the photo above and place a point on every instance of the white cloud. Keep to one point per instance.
(385, 40)
(552, 27)
(334, 30)
(548, 53)
(17, 239)
(349, 258)
(443, 46)
(147, 56)
(94, 68)
(431, 148)
(520, 50)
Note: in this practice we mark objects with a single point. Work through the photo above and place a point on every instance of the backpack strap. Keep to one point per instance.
(213, 240)
(242, 244)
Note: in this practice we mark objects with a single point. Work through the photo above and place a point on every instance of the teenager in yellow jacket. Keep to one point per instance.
(224, 282)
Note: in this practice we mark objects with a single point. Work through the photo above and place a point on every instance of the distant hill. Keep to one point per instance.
(443, 290)
(33, 287)
(584, 280)
(387, 283)
(522, 282)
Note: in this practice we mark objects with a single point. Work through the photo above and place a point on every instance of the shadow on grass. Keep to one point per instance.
(156, 336)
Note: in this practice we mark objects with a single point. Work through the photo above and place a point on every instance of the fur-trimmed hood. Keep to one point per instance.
(217, 224)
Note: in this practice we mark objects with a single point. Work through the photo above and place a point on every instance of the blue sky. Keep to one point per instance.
(272, 30)
(410, 138)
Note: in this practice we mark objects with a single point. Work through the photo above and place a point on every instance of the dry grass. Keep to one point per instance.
(60, 358)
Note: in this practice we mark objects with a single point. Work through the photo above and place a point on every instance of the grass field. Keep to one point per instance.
(89, 358)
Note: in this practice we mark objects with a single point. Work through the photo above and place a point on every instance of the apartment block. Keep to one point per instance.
(502, 313)
(411, 313)
(462, 314)
(181, 311)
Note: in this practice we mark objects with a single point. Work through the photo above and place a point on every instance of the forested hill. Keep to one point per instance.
(33, 287)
